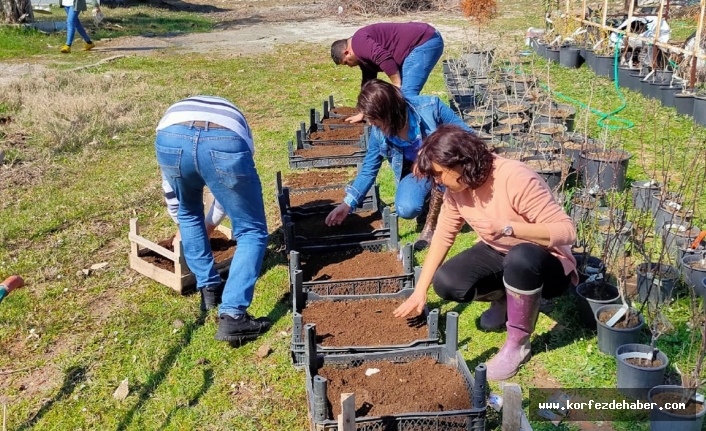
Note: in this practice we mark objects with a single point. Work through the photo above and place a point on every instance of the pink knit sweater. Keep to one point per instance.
(512, 193)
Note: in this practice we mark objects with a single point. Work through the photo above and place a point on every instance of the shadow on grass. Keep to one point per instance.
(157, 377)
(207, 383)
(74, 375)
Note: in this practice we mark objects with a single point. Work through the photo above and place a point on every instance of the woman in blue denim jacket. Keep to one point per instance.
(399, 126)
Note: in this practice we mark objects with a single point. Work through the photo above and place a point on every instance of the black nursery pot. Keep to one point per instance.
(699, 110)
(569, 56)
(684, 103)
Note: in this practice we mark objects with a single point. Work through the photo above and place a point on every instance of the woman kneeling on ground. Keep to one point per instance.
(524, 247)
(399, 125)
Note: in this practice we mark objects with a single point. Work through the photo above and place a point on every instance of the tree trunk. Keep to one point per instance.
(16, 11)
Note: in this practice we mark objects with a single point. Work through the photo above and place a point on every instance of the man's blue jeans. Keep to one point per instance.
(419, 64)
(73, 24)
(194, 157)
(410, 195)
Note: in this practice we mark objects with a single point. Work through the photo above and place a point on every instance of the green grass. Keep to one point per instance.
(80, 336)
(135, 20)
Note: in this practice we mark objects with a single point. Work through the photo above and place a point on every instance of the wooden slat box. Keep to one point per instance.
(182, 279)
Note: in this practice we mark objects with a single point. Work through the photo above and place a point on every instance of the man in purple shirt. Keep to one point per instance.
(405, 52)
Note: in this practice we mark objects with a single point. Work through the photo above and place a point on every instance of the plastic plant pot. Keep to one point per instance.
(636, 381)
(655, 282)
(610, 338)
(662, 420)
(642, 193)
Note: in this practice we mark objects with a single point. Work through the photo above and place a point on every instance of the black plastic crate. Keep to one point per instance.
(298, 348)
(353, 286)
(328, 106)
(457, 420)
(371, 202)
(299, 162)
(304, 133)
(293, 241)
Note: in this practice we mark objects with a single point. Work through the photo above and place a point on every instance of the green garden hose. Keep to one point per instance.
(626, 124)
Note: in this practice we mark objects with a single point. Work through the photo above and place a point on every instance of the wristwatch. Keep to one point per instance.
(507, 231)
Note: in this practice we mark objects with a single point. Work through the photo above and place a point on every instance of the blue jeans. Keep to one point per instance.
(410, 195)
(74, 25)
(419, 64)
(194, 157)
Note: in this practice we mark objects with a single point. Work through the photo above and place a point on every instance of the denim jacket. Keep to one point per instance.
(430, 112)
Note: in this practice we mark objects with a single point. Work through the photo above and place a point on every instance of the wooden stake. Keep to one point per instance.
(659, 24)
(605, 12)
(4, 417)
(697, 44)
(512, 407)
(346, 420)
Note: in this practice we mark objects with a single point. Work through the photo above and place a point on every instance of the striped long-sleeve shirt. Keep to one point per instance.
(212, 109)
(215, 215)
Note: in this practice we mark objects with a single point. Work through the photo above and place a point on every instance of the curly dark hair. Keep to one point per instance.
(451, 146)
(381, 101)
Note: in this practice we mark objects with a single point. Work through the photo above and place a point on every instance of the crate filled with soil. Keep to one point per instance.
(325, 156)
(163, 263)
(419, 388)
(335, 131)
(310, 198)
(330, 110)
(358, 269)
(310, 230)
(360, 323)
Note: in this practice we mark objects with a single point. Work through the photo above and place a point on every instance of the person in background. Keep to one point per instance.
(405, 52)
(524, 247)
(645, 27)
(399, 124)
(206, 141)
(73, 9)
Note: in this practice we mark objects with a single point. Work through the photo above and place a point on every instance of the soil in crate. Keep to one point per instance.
(327, 151)
(222, 248)
(341, 122)
(630, 321)
(364, 322)
(343, 266)
(317, 178)
(314, 226)
(661, 399)
(352, 133)
(423, 385)
(644, 362)
(315, 198)
(344, 110)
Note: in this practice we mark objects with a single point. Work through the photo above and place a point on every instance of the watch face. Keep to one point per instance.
(507, 231)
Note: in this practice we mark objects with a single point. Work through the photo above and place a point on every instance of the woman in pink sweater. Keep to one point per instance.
(524, 247)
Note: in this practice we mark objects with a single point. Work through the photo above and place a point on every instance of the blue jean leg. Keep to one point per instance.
(176, 147)
(222, 161)
(73, 24)
(419, 64)
(229, 170)
(410, 195)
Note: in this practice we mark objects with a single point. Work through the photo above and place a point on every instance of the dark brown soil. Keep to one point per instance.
(222, 248)
(327, 150)
(423, 385)
(501, 130)
(341, 122)
(344, 110)
(316, 178)
(625, 322)
(366, 322)
(598, 292)
(341, 133)
(315, 198)
(512, 108)
(547, 165)
(511, 121)
(360, 222)
(550, 130)
(699, 264)
(338, 266)
(662, 399)
(644, 363)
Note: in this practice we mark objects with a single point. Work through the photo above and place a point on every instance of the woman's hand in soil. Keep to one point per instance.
(414, 303)
(336, 217)
(357, 118)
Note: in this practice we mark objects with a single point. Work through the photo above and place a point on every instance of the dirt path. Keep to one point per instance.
(260, 33)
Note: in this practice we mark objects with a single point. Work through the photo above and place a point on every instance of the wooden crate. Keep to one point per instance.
(182, 278)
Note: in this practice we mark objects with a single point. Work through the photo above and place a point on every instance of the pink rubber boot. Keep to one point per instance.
(522, 312)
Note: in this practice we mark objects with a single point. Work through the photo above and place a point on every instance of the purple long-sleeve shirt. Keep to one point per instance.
(383, 47)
